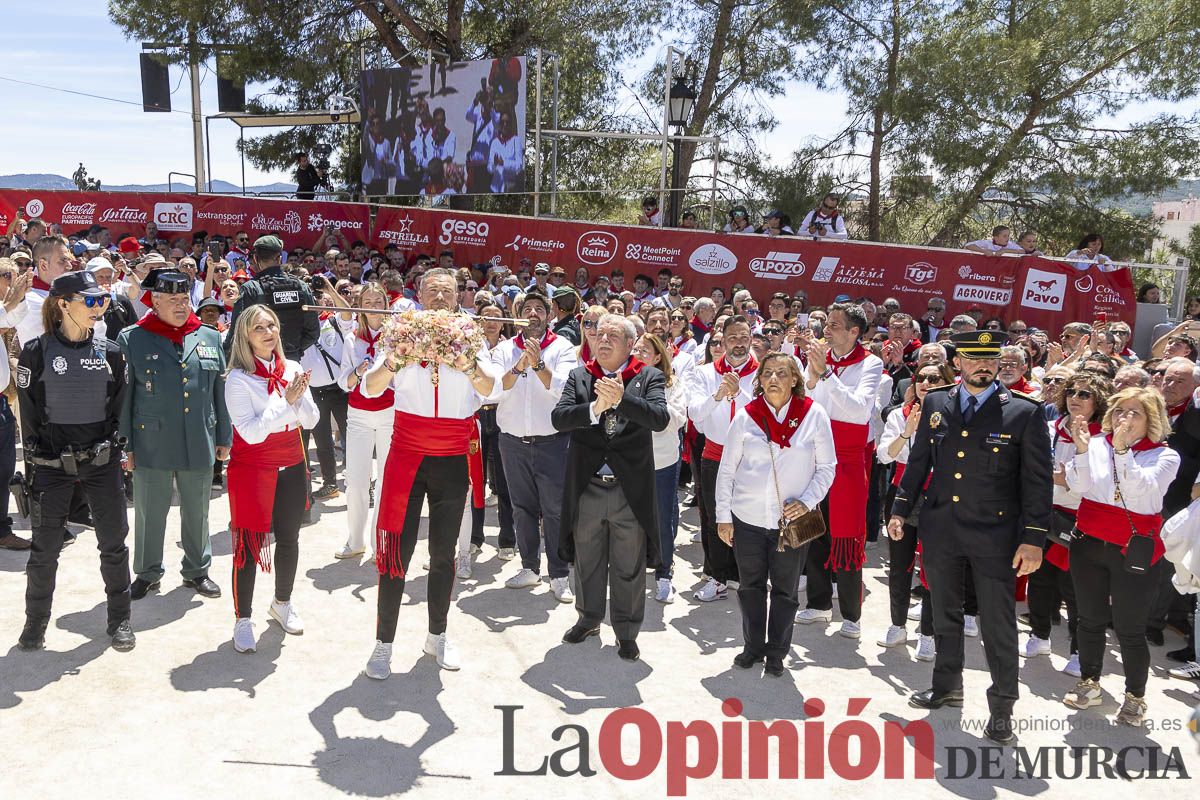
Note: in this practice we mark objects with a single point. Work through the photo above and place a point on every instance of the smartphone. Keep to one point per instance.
(20, 211)
(1102, 317)
(802, 320)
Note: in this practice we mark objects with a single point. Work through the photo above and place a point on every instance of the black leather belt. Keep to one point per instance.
(70, 460)
(536, 439)
(604, 480)
(491, 407)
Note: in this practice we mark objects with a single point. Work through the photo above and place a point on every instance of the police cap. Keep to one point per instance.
(73, 283)
(979, 344)
(167, 280)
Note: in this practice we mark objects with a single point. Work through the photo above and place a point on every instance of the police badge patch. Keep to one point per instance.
(935, 419)
(59, 365)
(23, 375)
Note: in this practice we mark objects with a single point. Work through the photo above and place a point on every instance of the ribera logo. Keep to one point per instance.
(596, 247)
(173, 216)
(1045, 290)
(713, 259)
(461, 231)
(920, 273)
(778, 266)
(34, 207)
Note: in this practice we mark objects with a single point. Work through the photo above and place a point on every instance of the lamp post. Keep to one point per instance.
(681, 101)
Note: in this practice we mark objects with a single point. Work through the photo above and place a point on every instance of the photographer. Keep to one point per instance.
(309, 178)
(825, 222)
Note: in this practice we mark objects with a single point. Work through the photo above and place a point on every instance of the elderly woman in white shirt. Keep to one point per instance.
(1121, 477)
(779, 451)
(649, 349)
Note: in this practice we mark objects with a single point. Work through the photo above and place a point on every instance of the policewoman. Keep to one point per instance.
(71, 384)
(175, 423)
(987, 508)
(299, 329)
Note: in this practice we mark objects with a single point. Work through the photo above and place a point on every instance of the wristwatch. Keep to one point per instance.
(828, 371)
(538, 367)
(516, 371)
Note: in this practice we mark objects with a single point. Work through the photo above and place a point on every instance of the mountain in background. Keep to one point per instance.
(43, 181)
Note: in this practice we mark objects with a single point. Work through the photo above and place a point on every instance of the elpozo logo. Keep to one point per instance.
(173, 216)
(920, 273)
(712, 259)
(1045, 290)
(778, 266)
(596, 247)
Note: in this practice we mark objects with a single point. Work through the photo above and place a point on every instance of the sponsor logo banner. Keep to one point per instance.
(1044, 290)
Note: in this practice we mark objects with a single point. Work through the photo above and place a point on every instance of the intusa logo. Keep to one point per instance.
(127, 214)
(778, 266)
(1045, 290)
(460, 231)
(173, 216)
(921, 273)
(35, 207)
(596, 247)
(713, 259)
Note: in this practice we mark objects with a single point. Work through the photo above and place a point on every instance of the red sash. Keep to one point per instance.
(1109, 523)
(253, 471)
(848, 497)
(858, 354)
(413, 438)
(356, 399)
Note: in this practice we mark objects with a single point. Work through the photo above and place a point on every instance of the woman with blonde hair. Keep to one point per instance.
(1121, 478)
(269, 403)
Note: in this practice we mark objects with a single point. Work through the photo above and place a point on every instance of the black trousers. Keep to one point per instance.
(719, 561)
(53, 490)
(8, 460)
(291, 493)
(1169, 605)
(820, 578)
(902, 564)
(1048, 588)
(947, 565)
(1097, 569)
(767, 630)
(879, 489)
(443, 479)
(332, 404)
(493, 465)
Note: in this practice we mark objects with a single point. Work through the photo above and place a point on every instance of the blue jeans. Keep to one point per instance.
(535, 473)
(668, 515)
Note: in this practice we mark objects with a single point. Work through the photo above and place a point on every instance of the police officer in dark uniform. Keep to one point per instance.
(286, 296)
(71, 384)
(987, 507)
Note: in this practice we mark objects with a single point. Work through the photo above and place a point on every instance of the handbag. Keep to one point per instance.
(800, 531)
(1062, 528)
(1139, 552)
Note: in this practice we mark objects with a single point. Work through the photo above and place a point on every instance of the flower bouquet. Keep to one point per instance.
(439, 337)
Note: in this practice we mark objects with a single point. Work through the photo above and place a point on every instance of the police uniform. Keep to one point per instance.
(70, 396)
(173, 418)
(298, 329)
(990, 492)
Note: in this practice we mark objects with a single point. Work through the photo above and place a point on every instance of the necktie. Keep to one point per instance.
(610, 416)
(972, 401)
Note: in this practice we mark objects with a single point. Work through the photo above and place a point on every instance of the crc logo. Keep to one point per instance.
(1044, 290)
(471, 232)
(778, 266)
(713, 259)
(173, 216)
(596, 247)
(34, 207)
(923, 272)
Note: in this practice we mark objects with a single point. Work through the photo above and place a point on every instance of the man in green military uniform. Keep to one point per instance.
(175, 421)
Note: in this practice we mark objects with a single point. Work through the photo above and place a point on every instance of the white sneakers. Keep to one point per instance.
(379, 665)
(285, 614)
(807, 616)
(970, 625)
(1072, 667)
(507, 553)
(664, 592)
(243, 636)
(926, 649)
(561, 587)
(713, 590)
(1085, 695)
(438, 646)
(896, 634)
(1035, 647)
(1189, 671)
(851, 630)
(914, 613)
(696, 537)
(348, 552)
(462, 567)
(523, 579)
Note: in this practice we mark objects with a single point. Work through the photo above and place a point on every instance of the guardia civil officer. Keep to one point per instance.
(299, 329)
(987, 507)
(71, 383)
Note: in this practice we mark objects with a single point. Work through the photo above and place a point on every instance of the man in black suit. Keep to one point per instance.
(609, 527)
(987, 507)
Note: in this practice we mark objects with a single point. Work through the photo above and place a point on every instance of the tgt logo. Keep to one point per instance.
(920, 273)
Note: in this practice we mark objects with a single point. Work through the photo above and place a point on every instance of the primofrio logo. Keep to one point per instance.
(596, 247)
(778, 266)
(173, 216)
(461, 231)
(920, 273)
(1045, 290)
(713, 259)
(34, 207)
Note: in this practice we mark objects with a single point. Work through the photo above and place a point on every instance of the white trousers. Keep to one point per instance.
(368, 433)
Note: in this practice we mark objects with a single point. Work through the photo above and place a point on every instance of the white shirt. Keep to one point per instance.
(893, 429)
(453, 398)
(685, 345)
(850, 395)
(1082, 259)
(524, 410)
(713, 417)
(987, 245)
(505, 175)
(883, 398)
(256, 414)
(666, 441)
(402, 303)
(835, 227)
(1064, 453)
(745, 483)
(1144, 475)
(325, 372)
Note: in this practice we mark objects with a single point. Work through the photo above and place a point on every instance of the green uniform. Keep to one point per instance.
(173, 417)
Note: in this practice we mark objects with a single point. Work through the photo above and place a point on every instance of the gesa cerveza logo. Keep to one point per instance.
(920, 273)
(778, 266)
(461, 231)
(1044, 290)
(713, 259)
(173, 216)
(596, 247)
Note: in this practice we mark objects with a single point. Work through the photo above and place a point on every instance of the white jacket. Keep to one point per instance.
(1181, 537)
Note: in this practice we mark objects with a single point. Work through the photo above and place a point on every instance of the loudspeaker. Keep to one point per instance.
(156, 84)
(231, 94)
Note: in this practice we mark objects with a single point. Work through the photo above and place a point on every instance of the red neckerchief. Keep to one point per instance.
(906, 409)
(722, 366)
(154, 324)
(634, 368)
(1127, 352)
(547, 338)
(913, 346)
(779, 432)
(394, 296)
(1142, 444)
(1177, 409)
(858, 354)
(1023, 386)
(38, 283)
(674, 349)
(585, 352)
(1063, 435)
(275, 382)
(364, 333)
(705, 329)
(324, 315)
(228, 308)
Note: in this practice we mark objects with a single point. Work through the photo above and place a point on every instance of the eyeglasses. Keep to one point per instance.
(1011, 365)
(1053, 381)
(1082, 394)
(590, 325)
(92, 302)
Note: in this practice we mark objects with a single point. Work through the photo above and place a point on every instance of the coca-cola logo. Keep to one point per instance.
(124, 214)
(921, 273)
(713, 259)
(78, 213)
(596, 247)
(778, 266)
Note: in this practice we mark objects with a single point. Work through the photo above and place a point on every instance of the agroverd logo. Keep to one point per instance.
(921, 273)
(596, 247)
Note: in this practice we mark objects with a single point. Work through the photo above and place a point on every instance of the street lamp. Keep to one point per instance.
(681, 101)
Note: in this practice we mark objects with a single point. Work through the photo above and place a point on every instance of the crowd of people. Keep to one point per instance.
(995, 460)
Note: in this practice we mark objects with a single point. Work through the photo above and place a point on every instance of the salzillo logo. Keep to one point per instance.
(826, 269)
(34, 207)
(778, 266)
(173, 216)
(713, 259)
(920, 273)
(1044, 290)
(970, 293)
(596, 247)
(461, 231)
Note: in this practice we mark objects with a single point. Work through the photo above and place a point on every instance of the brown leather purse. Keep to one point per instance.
(800, 531)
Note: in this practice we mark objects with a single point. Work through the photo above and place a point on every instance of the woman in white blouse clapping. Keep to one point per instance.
(779, 448)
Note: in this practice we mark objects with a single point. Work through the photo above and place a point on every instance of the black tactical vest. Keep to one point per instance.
(76, 381)
(283, 294)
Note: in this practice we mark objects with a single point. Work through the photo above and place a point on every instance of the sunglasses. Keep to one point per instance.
(718, 343)
(1082, 394)
(92, 302)
(1157, 372)
(590, 325)
(1017, 331)
(678, 319)
(345, 292)
(928, 378)
(1053, 381)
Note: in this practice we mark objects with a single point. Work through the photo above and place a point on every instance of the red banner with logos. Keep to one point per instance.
(301, 223)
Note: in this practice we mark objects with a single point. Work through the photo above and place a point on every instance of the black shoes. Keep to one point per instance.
(1154, 637)
(999, 729)
(628, 650)
(929, 699)
(33, 636)
(774, 667)
(578, 633)
(1183, 655)
(140, 588)
(123, 639)
(203, 586)
(746, 660)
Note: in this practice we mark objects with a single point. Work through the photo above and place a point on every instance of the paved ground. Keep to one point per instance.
(185, 716)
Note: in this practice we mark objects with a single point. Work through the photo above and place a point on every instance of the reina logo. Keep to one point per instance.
(173, 216)
(778, 266)
(921, 273)
(1044, 290)
(596, 247)
(713, 259)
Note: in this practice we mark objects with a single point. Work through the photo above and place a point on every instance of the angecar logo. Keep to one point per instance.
(173, 216)
(460, 231)
(596, 247)
(920, 273)
(778, 266)
(1044, 290)
(713, 259)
